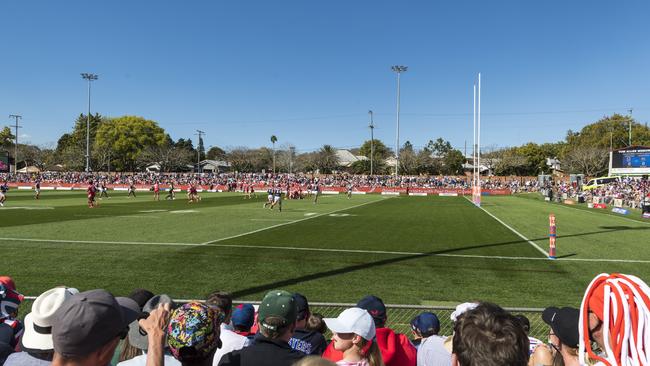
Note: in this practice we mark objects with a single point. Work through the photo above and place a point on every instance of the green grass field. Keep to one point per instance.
(407, 250)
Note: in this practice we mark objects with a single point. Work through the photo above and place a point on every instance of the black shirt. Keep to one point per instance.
(308, 342)
(265, 352)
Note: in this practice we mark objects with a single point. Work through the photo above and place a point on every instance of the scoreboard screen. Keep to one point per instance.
(631, 158)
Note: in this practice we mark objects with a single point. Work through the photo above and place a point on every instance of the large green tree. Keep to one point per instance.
(327, 160)
(6, 138)
(381, 152)
(127, 138)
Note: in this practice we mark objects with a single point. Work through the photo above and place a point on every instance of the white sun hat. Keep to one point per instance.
(353, 320)
(38, 323)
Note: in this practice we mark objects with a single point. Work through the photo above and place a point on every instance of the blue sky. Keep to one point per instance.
(309, 71)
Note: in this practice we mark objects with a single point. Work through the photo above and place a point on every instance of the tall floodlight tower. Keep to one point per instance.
(399, 70)
(90, 78)
(372, 142)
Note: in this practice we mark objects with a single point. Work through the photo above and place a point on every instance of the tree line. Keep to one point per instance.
(131, 143)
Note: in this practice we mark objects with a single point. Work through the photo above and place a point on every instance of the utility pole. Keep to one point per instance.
(399, 70)
(372, 142)
(16, 117)
(90, 78)
(629, 141)
(198, 150)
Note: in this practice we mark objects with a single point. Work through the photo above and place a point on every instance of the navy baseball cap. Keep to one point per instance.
(427, 324)
(375, 306)
(302, 305)
(243, 315)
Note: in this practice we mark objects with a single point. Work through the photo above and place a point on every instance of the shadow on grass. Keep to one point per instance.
(111, 208)
(335, 272)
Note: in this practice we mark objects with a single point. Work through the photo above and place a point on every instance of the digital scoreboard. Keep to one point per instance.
(632, 160)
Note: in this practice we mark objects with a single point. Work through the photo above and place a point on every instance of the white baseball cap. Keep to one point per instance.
(353, 320)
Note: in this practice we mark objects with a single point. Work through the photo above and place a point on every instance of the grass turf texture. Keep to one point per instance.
(408, 250)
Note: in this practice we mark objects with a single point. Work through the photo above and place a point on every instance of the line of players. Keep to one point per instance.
(92, 189)
(274, 193)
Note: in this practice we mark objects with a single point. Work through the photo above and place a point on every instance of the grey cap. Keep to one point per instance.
(138, 337)
(88, 320)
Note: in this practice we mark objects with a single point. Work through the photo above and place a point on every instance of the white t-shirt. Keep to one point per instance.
(142, 361)
(432, 352)
(230, 341)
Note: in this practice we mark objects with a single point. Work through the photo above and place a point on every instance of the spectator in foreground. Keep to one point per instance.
(624, 300)
(243, 317)
(139, 339)
(316, 323)
(431, 351)
(277, 322)
(88, 326)
(306, 341)
(563, 338)
(193, 334)
(230, 341)
(314, 361)
(354, 336)
(10, 300)
(36, 342)
(525, 323)
(125, 350)
(489, 336)
(396, 349)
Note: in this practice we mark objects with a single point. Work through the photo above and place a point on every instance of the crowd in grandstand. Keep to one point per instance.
(69, 327)
(235, 180)
(632, 191)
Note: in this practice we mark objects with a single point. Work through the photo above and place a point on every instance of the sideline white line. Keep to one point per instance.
(290, 222)
(95, 242)
(333, 250)
(511, 229)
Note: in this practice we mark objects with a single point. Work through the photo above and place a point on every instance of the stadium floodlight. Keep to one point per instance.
(399, 70)
(90, 78)
(372, 142)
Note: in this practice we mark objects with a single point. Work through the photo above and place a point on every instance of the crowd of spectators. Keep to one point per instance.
(632, 191)
(235, 180)
(69, 327)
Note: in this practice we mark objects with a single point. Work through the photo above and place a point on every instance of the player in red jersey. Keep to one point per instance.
(156, 191)
(91, 191)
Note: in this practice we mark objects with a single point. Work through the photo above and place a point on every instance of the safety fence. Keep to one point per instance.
(399, 316)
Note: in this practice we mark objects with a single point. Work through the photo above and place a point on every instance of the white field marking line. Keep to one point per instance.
(96, 242)
(270, 219)
(359, 251)
(290, 222)
(511, 229)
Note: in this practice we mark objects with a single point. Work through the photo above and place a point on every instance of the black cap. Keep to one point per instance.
(564, 323)
(302, 306)
(141, 296)
(88, 320)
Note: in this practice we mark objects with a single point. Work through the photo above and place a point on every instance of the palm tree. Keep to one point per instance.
(273, 141)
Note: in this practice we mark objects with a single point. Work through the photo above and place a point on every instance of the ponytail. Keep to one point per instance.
(370, 351)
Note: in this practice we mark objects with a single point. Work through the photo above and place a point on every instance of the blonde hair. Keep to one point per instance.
(314, 361)
(374, 354)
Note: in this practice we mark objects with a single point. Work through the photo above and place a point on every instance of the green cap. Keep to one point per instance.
(278, 304)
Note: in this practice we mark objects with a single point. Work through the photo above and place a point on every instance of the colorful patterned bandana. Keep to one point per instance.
(196, 326)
